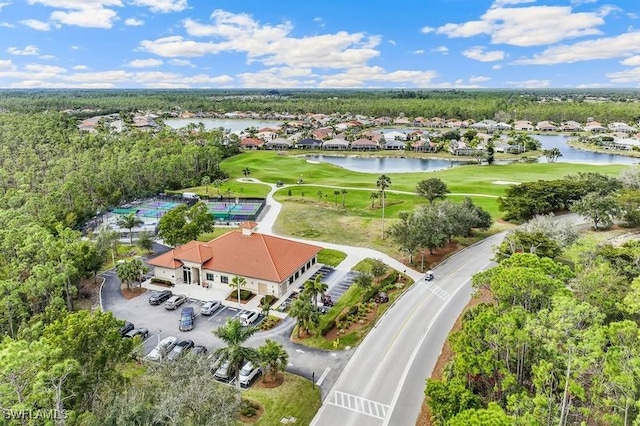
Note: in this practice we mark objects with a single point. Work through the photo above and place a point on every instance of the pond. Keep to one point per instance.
(409, 165)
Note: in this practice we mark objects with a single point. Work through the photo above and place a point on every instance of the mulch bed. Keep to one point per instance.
(272, 381)
(132, 293)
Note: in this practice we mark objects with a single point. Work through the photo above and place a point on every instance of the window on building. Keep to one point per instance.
(210, 276)
(297, 275)
(308, 265)
(313, 261)
(224, 279)
(290, 280)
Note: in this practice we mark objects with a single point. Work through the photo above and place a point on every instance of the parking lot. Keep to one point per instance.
(337, 290)
(162, 323)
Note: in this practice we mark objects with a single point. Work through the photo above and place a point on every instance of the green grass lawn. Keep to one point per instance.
(331, 257)
(296, 397)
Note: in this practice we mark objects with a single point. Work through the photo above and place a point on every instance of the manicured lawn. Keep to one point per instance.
(232, 188)
(331, 257)
(296, 397)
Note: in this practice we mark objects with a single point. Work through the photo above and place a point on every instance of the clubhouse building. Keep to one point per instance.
(270, 265)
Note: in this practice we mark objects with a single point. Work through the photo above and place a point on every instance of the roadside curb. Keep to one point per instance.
(100, 293)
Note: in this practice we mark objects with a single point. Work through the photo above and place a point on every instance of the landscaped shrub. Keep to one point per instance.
(269, 300)
(269, 322)
(328, 327)
(245, 294)
(248, 408)
(161, 281)
(370, 294)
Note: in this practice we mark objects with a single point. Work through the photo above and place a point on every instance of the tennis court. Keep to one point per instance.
(155, 209)
(237, 210)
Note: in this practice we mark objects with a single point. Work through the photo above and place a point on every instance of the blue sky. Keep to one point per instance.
(325, 44)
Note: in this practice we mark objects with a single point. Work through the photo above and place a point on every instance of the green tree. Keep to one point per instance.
(552, 154)
(432, 189)
(217, 183)
(129, 221)
(305, 313)
(238, 283)
(145, 241)
(600, 209)
(315, 288)
(233, 335)
(405, 233)
(336, 193)
(383, 183)
(528, 242)
(448, 398)
(183, 223)
(206, 181)
(130, 271)
(93, 341)
(364, 280)
(273, 358)
(246, 172)
(378, 268)
(343, 192)
(373, 196)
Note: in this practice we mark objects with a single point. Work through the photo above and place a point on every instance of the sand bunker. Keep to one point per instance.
(505, 182)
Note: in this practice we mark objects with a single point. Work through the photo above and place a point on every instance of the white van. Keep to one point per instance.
(190, 195)
(248, 373)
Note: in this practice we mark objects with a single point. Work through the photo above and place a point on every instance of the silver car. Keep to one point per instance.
(248, 373)
(162, 349)
(247, 318)
(210, 307)
(175, 301)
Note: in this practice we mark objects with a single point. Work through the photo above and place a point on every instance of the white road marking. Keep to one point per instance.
(323, 376)
(356, 403)
(437, 290)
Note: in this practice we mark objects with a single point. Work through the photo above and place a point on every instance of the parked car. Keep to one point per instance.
(186, 319)
(180, 349)
(247, 318)
(210, 307)
(199, 350)
(127, 327)
(175, 301)
(223, 372)
(140, 331)
(162, 349)
(248, 373)
(158, 297)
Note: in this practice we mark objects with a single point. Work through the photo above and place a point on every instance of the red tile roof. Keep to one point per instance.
(256, 255)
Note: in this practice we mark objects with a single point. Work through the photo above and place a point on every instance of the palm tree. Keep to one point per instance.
(237, 283)
(343, 192)
(246, 172)
(273, 358)
(130, 271)
(217, 184)
(129, 221)
(374, 196)
(320, 194)
(314, 288)
(383, 183)
(304, 312)
(336, 193)
(233, 334)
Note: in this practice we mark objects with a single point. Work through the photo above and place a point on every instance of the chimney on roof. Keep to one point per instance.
(248, 228)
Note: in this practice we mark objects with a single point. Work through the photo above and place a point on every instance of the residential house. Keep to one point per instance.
(267, 134)
(382, 121)
(523, 126)
(308, 143)
(462, 149)
(424, 145)
(594, 127)
(395, 135)
(364, 144)
(621, 127)
(546, 126)
(251, 143)
(571, 126)
(268, 264)
(335, 144)
(278, 144)
(485, 125)
(394, 144)
(401, 121)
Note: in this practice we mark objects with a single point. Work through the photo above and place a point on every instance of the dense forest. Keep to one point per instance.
(505, 105)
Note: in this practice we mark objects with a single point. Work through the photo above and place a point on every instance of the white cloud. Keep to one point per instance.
(496, 67)
(6, 25)
(418, 52)
(87, 18)
(500, 3)
(602, 48)
(82, 13)
(3, 4)
(80, 67)
(628, 76)
(479, 79)
(163, 6)
(30, 50)
(47, 69)
(133, 22)
(633, 61)
(359, 77)
(441, 49)
(145, 63)
(75, 47)
(529, 84)
(593, 85)
(427, 30)
(392, 42)
(271, 45)
(36, 25)
(6, 65)
(46, 57)
(478, 53)
(181, 63)
(528, 26)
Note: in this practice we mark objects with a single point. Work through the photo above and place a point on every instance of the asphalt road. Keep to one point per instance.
(384, 380)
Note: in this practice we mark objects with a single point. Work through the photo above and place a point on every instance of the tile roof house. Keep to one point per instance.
(270, 265)
(251, 143)
(364, 145)
(335, 144)
(278, 144)
(308, 143)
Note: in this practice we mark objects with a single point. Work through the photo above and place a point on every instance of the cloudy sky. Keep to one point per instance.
(319, 44)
